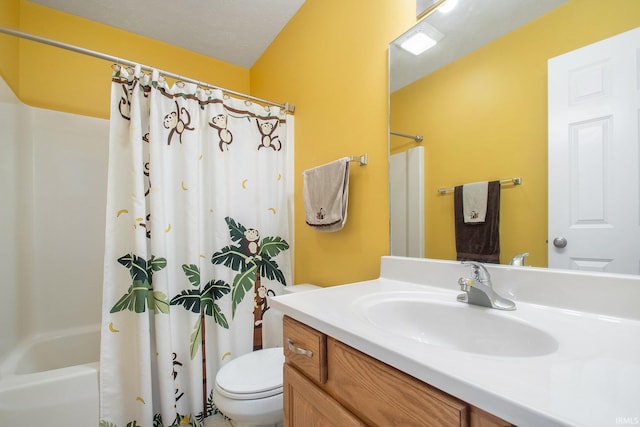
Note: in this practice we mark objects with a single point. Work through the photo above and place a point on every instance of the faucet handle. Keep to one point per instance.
(480, 272)
(465, 284)
(518, 260)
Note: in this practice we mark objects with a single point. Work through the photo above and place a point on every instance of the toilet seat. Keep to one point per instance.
(253, 375)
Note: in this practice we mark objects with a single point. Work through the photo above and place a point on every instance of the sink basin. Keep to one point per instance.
(462, 327)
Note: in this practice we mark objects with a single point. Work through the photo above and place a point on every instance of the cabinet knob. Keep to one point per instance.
(298, 350)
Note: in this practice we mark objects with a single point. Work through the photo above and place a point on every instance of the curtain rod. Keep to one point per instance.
(417, 138)
(289, 108)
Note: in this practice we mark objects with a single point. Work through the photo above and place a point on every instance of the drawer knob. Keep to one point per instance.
(298, 350)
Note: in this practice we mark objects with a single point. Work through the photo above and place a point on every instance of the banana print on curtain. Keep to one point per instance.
(197, 241)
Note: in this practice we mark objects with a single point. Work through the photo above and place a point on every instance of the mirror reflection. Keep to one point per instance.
(479, 98)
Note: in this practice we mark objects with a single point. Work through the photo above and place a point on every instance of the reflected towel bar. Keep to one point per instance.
(417, 138)
(363, 159)
(514, 181)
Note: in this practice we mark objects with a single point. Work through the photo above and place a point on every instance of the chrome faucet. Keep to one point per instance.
(478, 290)
(518, 260)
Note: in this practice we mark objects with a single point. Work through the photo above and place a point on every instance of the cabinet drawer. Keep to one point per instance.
(381, 395)
(306, 349)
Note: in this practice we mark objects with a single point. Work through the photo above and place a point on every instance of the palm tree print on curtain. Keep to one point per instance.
(252, 259)
(202, 302)
(193, 234)
(140, 294)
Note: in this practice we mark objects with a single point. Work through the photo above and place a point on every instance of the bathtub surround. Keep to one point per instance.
(10, 118)
(52, 230)
(52, 243)
(196, 243)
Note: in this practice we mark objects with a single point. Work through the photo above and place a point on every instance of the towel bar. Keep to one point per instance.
(417, 138)
(363, 159)
(514, 181)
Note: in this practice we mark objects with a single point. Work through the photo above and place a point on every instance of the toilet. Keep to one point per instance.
(249, 388)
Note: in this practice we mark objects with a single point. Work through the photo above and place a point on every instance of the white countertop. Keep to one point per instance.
(592, 379)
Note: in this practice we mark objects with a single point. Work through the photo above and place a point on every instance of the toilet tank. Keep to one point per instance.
(272, 326)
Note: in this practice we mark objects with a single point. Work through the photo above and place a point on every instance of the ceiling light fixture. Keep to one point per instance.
(419, 41)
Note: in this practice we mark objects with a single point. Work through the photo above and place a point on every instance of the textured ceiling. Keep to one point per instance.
(238, 31)
(471, 25)
(234, 31)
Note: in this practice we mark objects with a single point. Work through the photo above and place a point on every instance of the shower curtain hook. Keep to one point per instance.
(117, 68)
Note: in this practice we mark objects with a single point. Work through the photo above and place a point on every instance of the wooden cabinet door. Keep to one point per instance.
(383, 396)
(306, 405)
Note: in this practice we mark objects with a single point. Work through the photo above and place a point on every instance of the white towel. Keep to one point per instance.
(474, 201)
(326, 195)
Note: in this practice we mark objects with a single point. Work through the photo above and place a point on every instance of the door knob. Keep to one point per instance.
(560, 242)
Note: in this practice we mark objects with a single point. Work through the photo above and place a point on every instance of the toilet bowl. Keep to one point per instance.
(249, 388)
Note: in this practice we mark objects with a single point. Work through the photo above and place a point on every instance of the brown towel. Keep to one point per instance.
(479, 241)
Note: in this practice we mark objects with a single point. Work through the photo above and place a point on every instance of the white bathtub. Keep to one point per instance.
(52, 380)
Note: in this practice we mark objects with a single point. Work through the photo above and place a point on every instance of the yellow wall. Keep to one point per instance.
(61, 80)
(485, 117)
(9, 17)
(331, 61)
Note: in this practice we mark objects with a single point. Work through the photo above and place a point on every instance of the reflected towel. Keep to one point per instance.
(474, 201)
(326, 195)
(479, 241)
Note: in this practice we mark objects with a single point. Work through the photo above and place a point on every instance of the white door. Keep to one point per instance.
(594, 195)
(406, 177)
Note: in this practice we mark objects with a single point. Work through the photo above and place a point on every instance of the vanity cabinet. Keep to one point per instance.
(328, 383)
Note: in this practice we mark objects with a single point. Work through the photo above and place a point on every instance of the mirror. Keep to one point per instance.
(479, 100)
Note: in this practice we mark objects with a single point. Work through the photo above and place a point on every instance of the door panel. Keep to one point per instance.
(594, 195)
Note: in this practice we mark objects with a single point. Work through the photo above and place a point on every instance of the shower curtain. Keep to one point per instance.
(197, 242)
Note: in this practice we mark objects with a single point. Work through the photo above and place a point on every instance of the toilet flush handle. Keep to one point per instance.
(298, 350)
